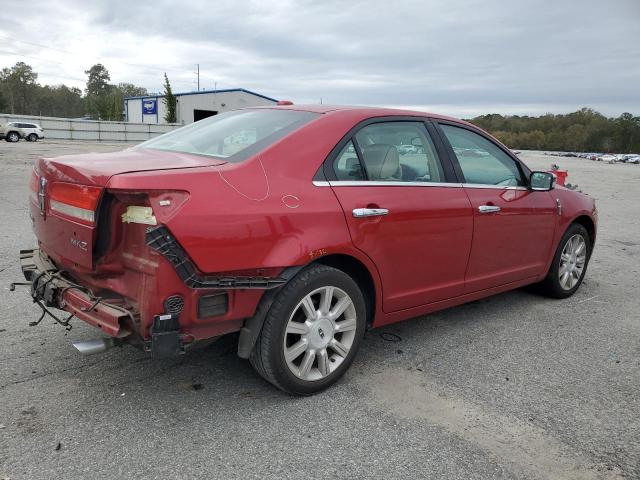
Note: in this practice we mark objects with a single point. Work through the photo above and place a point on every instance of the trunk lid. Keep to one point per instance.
(67, 193)
(98, 168)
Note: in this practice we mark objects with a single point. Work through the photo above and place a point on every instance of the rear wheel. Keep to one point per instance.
(312, 332)
(32, 137)
(13, 137)
(569, 263)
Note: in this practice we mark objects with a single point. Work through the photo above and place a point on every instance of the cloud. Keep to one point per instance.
(464, 58)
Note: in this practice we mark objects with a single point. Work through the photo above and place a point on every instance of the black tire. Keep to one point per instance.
(13, 137)
(551, 285)
(32, 137)
(268, 355)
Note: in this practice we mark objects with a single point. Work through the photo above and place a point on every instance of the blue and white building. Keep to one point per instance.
(192, 106)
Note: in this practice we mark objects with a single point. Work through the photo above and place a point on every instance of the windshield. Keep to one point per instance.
(234, 136)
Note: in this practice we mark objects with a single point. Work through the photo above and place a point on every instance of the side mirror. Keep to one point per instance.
(542, 181)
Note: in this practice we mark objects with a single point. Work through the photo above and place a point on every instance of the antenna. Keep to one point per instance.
(198, 74)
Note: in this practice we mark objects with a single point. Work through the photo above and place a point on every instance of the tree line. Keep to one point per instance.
(21, 94)
(583, 131)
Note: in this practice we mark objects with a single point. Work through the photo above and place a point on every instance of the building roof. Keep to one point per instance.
(228, 90)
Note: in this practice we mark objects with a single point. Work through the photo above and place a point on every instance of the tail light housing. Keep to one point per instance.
(34, 185)
(78, 202)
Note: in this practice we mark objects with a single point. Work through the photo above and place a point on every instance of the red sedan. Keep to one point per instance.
(299, 227)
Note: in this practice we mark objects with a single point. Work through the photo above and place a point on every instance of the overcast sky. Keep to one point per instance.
(457, 57)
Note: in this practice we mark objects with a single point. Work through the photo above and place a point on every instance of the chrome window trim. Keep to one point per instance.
(366, 183)
(494, 187)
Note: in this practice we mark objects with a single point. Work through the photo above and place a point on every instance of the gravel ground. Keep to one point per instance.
(513, 386)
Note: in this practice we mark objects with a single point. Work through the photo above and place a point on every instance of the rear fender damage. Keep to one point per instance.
(161, 240)
(253, 325)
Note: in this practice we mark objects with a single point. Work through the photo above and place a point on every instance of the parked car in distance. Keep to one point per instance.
(407, 149)
(14, 131)
(300, 236)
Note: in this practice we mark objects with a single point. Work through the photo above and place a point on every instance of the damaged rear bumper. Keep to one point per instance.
(49, 288)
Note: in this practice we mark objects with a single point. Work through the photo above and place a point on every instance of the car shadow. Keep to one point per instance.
(217, 370)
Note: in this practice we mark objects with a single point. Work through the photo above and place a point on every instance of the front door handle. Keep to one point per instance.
(369, 212)
(488, 208)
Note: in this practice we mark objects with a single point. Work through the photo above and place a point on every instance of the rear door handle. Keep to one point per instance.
(488, 208)
(369, 212)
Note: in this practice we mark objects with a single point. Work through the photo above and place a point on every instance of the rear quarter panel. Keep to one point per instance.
(261, 213)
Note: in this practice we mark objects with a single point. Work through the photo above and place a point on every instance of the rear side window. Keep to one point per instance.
(482, 161)
(390, 151)
(233, 136)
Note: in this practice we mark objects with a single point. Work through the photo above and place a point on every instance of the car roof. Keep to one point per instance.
(363, 111)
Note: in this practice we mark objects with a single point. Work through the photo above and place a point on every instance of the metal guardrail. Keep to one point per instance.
(92, 130)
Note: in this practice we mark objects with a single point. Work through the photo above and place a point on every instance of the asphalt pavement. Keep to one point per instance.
(516, 386)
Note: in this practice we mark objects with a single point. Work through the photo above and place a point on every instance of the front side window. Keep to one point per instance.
(390, 151)
(482, 162)
(233, 136)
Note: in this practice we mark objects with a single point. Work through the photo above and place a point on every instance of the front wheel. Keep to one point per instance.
(32, 137)
(312, 331)
(13, 137)
(569, 263)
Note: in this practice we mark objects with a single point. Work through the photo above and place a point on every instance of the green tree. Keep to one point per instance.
(60, 101)
(98, 80)
(131, 90)
(575, 138)
(19, 84)
(114, 105)
(626, 133)
(105, 101)
(585, 130)
(170, 102)
(98, 91)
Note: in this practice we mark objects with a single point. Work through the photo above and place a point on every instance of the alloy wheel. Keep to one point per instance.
(572, 262)
(320, 333)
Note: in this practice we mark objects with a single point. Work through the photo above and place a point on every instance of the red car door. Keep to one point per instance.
(513, 226)
(403, 213)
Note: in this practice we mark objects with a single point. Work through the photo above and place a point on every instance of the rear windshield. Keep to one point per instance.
(234, 136)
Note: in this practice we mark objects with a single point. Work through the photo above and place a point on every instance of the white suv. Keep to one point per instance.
(14, 131)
